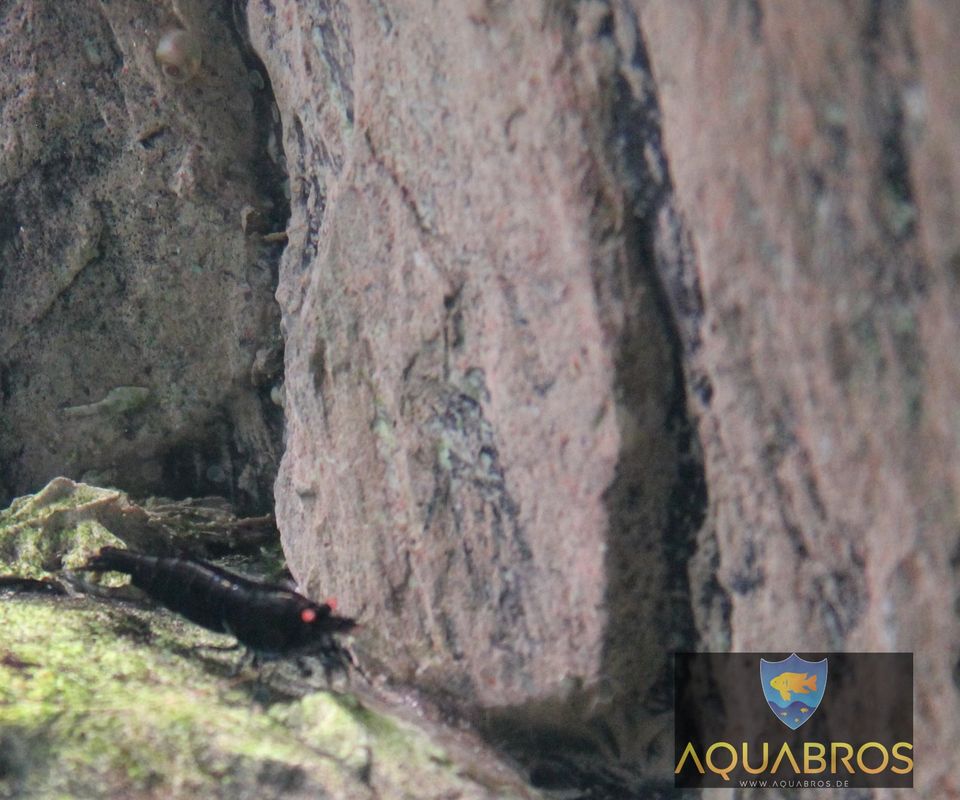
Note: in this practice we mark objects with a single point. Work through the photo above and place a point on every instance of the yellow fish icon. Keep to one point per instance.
(804, 709)
(794, 682)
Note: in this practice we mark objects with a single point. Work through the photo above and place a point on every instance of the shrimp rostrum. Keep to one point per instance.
(270, 621)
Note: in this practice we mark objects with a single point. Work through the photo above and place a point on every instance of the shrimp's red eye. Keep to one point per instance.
(308, 615)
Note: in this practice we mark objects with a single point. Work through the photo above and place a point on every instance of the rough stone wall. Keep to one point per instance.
(813, 152)
(478, 374)
(508, 223)
(138, 333)
(545, 261)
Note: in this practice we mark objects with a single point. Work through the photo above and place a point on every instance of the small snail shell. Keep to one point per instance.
(178, 54)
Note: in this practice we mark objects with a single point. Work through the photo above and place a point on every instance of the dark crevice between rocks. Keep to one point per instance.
(200, 467)
(664, 263)
(614, 740)
(211, 461)
(269, 168)
(657, 502)
(272, 178)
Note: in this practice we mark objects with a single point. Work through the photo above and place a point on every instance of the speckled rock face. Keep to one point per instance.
(522, 236)
(477, 374)
(524, 240)
(138, 334)
(813, 150)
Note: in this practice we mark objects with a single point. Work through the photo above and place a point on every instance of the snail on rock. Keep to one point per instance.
(178, 54)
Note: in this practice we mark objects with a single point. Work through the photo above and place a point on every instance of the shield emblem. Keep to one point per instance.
(793, 688)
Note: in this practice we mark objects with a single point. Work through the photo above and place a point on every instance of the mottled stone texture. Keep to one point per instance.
(611, 327)
(510, 224)
(138, 333)
(813, 149)
(480, 391)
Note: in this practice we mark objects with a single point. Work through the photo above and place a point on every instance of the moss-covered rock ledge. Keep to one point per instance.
(109, 699)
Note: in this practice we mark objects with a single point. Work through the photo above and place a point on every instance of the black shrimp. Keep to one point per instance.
(269, 620)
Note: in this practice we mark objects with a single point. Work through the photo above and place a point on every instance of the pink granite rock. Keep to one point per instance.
(472, 353)
(521, 237)
(813, 148)
(612, 328)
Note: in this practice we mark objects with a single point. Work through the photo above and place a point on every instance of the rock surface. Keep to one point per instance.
(816, 171)
(611, 328)
(104, 696)
(480, 386)
(138, 335)
(492, 209)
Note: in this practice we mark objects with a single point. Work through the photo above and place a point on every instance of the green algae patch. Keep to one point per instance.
(110, 700)
(55, 528)
(101, 698)
(66, 522)
(119, 400)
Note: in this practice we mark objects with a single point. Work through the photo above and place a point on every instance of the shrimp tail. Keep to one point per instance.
(113, 559)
